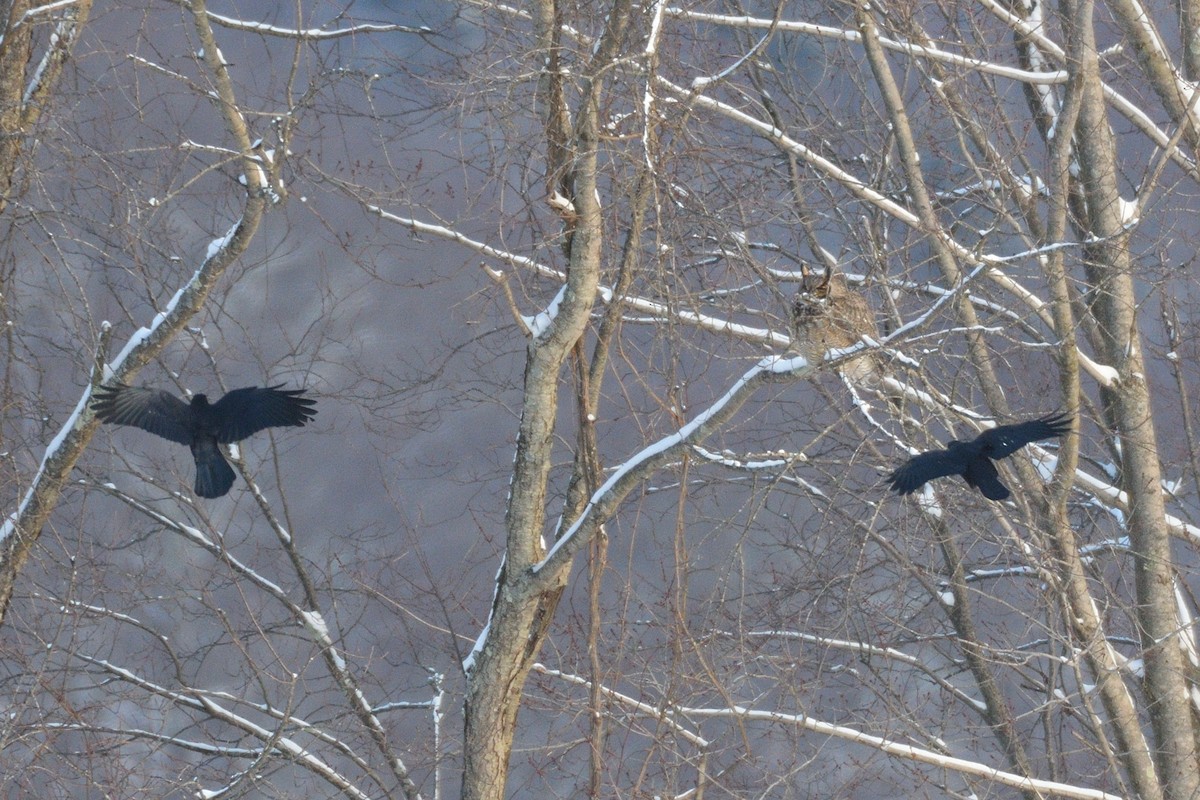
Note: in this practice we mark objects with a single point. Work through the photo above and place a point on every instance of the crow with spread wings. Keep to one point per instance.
(973, 460)
(201, 426)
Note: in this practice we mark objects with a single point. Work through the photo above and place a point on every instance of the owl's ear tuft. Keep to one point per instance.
(822, 288)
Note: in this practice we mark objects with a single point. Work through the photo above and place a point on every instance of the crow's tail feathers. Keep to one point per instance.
(983, 475)
(214, 476)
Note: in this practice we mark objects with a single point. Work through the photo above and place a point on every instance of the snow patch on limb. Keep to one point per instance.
(773, 465)
(449, 233)
(204, 702)
(1103, 374)
(867, 650)
(141, 335)
(316, 623)
(673, 715)
(215, 248)
(42, 9)
(156, 67)
(729, 460)
(60, 43)
(846, 180)
(217, 551)
(652, 40)
(9, 527)
(700, 83)
(1034, 29)
(310, 618)
(654, 310)
(719, 411)
(928, 503)
(221, 242)
(667, 716)
(908, 48)
(1187, 629)
(1111, 497)
(907, 751)
(976, 575)
(541, 323)
(312, 33)
(468, 663)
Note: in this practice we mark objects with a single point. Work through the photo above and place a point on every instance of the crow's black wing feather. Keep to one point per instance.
(983, 475)
(153, 410)
(244, 412)
(925, 467)
(1004, 440)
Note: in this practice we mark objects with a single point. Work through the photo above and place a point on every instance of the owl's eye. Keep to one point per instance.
(821, 291)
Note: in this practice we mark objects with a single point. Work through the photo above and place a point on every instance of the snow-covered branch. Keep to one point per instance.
(906, 751)
(871, 651)
(75, 433)
(659, 311)
(1035, 78)
(847, 35)
(203, 702)
(672, 714)
(773, 463)
(30, 13)
(1037, 35)
(312, 620)
(1113, 497)
(627, 475)
(666, 715)
(309, 34)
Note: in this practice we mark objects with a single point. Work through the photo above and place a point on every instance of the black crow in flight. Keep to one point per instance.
(201, 426)
(973, 459)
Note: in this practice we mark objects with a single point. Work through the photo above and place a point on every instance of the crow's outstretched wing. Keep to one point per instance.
(925, 467)
(152, 410)
(1004, 440)
(983, 475)
(244, 412)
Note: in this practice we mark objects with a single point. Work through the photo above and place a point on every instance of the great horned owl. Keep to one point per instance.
(826, 315)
